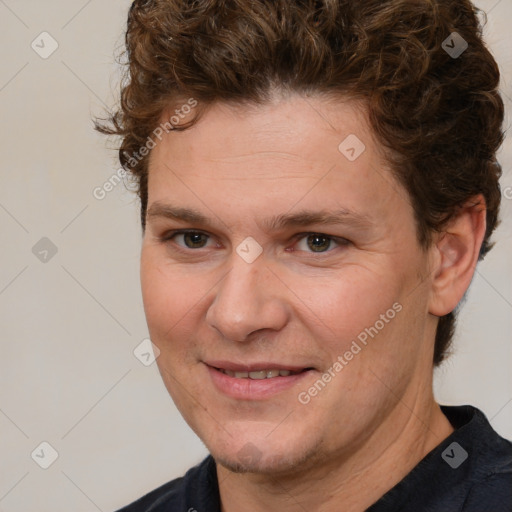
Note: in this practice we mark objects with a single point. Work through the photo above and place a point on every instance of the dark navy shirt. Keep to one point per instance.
(470, 471)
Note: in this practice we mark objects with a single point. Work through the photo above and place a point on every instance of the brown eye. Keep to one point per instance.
(194, 240)
(319, 243)
(190, 239)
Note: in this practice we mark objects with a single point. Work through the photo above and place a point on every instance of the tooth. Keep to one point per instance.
(261, 374)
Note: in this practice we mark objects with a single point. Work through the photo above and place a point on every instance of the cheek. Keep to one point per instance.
(169, 297)
(170, 301)
(343, 305)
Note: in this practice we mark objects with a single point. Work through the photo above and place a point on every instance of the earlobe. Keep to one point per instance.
(455, 255)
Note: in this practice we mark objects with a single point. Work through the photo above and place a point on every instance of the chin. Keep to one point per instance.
(266, 459)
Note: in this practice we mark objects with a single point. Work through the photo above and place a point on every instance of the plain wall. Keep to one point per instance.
(69, 325)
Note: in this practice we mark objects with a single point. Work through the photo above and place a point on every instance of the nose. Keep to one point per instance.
(248, 299)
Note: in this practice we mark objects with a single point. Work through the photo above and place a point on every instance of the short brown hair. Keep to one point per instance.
(440, 115)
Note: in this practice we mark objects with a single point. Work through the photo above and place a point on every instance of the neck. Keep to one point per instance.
(355, 480)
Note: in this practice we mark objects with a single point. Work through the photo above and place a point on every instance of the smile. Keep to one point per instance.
(259, 374)
(257, 381)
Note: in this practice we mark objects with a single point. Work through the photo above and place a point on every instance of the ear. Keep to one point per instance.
(455, 255)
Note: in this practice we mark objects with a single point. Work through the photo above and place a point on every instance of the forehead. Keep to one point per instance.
(297, 151)
(294, 128)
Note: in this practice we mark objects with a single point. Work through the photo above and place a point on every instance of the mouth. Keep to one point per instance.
(261, 374)
(256, 381)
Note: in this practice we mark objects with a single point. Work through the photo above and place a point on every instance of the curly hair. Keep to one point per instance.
(439, 115)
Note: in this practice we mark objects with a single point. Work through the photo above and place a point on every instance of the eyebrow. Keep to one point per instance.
(278, 222)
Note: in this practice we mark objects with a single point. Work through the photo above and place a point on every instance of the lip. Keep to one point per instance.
(251, 367)
(253, 389)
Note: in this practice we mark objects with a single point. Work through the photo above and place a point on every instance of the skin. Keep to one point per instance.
(299, 304)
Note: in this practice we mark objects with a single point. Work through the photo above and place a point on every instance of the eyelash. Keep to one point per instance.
(296, 238)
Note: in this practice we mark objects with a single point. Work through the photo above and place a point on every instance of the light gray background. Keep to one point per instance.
(69, 326)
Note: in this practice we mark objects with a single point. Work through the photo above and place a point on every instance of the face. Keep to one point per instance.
(283, 283)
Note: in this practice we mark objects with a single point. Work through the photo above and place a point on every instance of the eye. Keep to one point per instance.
(190, 239)
(318, 242)
(308, 242)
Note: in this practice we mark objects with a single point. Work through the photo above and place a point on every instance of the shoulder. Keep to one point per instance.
(150, 502)
(470, 471)
(492, 494)
(491, 485)
(185, 493)
(486, 471)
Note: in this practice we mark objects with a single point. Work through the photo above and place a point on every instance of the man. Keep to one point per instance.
(318, 181)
